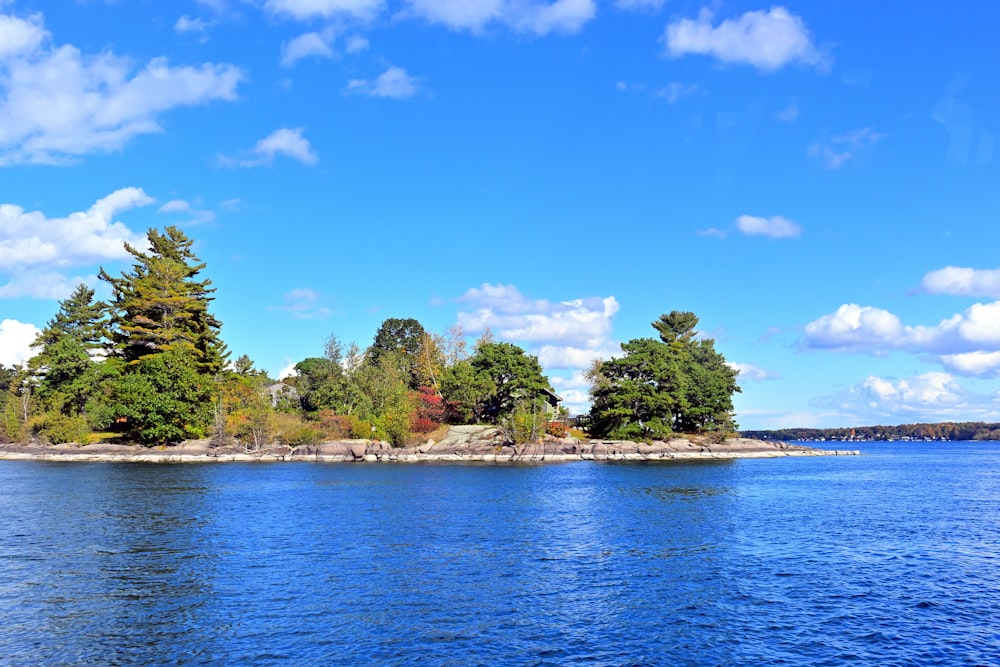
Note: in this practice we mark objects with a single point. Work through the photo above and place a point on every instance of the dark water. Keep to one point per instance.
(892, 558)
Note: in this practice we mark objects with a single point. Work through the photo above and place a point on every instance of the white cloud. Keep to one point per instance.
(566, 336)
(964, 343)
(19, 36)
(310, 44)
(43, 284)
(960, 281)
(15, 342)
(978, 363)
(356, 44)
(528, 16)
(776, 227)
(186, 24)
(854, 327)
(195, 216)
(845, 147)
(768, 40)
(283, 141)
(930, 397)
(57, 104)
(309, 9)
(33, 245)
(394, 83)
(288, 371)
(752, 372)
(512, 316)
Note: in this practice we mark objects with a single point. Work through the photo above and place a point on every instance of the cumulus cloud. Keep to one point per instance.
(775, 227)
(528, 16)
(310, 44)
(15, 342)
(57, 104)
(767, 40)
(33, 247)
(930, 397)
(844, 148)
(566, 335)
(503, 309)
(960, 281)
(393, 83)
(964, 343)
(283, 141)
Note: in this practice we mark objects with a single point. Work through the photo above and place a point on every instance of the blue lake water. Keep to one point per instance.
(891, 558)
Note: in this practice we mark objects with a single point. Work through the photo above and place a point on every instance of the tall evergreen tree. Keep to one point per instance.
(162, 306)
(676, 384)
(79, 317)
(64, 366)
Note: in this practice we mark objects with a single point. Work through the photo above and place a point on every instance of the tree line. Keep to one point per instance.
(939, 431)
(150, 366)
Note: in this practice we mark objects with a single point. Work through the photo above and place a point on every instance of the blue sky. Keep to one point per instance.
(816, 181)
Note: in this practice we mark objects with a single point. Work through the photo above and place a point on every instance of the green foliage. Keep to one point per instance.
(57, 428)
(465, 392)
(245, 410)
(80, 318)
(161, 306)
(163, 399)
(402, 338)
(658, 387)
(293, 431)
(524, 424)
(513, 376)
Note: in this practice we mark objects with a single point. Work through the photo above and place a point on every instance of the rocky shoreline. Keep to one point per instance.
(462, 444)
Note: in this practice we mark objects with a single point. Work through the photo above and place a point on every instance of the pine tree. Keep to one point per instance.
(161, 306)
(79, 317)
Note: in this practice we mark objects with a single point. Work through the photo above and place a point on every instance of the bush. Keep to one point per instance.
(557, 429)
(334, 426)
(422, 425)
(58, 428)
(291, 430)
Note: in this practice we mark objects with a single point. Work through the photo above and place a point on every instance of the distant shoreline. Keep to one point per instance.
(468, 446)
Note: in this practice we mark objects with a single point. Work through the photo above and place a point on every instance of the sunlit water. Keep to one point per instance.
(892, 558)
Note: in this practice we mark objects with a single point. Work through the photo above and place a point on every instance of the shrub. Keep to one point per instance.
(422, 425)
(293, 431)
(334, 426)
(557, 429)
(58, 428)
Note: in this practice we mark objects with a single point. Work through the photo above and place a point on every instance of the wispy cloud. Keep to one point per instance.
(282, 142)
(394, 83)
(846, 147)
(775, 227)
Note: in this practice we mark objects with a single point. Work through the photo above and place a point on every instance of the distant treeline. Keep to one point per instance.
(943, 431)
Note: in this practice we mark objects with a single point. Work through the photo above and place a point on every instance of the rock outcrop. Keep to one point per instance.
(462, 444)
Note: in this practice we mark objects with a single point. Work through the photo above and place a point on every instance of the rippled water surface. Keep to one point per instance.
(892, 558)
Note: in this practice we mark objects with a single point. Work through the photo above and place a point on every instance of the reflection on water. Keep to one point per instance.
(889, 557)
